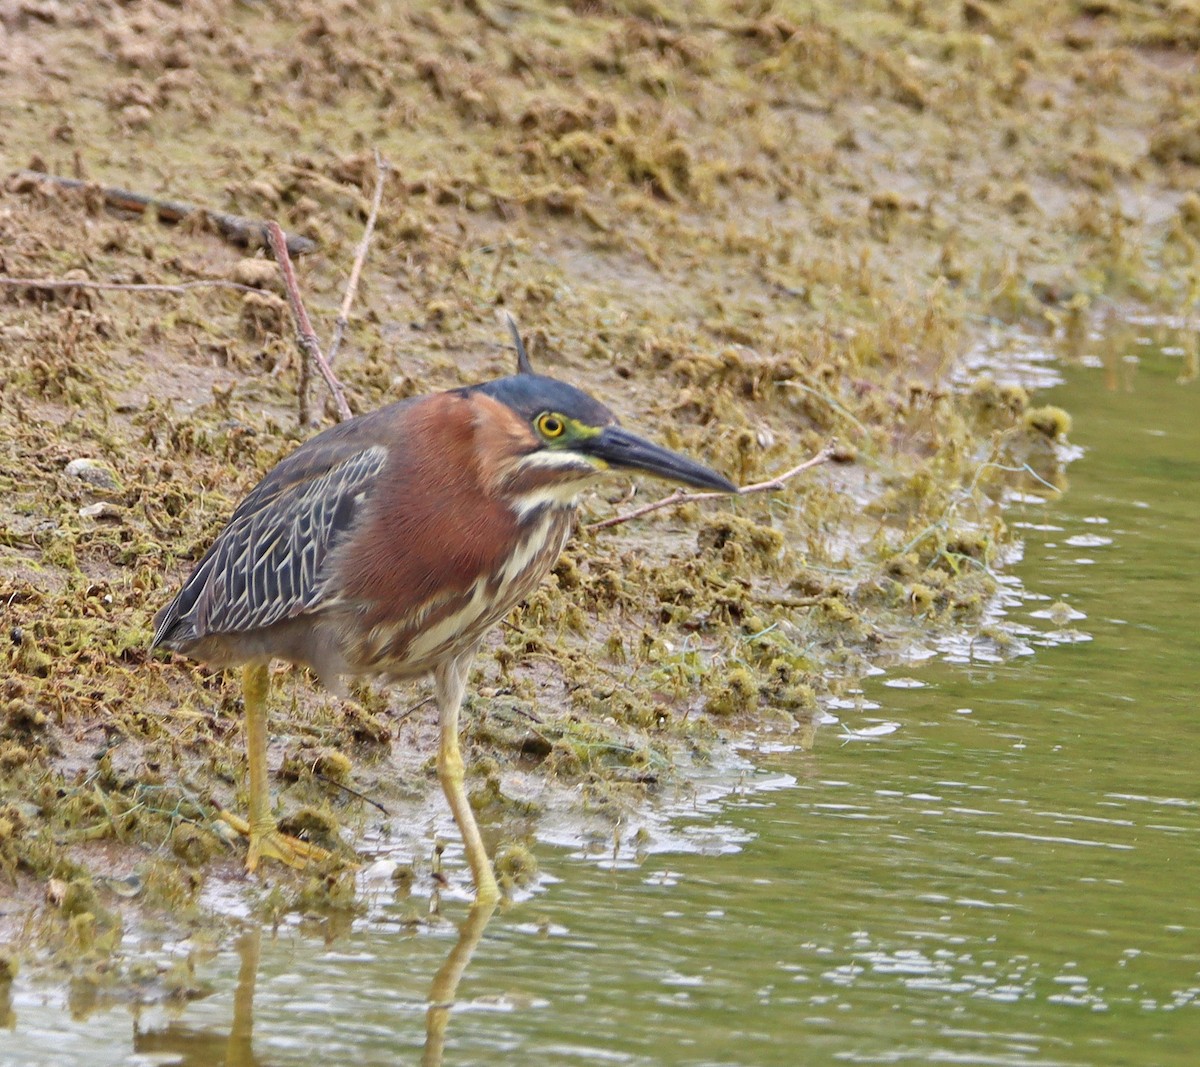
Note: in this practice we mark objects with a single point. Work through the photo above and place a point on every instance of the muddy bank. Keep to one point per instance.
(752, 229)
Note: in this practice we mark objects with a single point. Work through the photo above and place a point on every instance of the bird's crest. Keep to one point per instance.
(523, 364)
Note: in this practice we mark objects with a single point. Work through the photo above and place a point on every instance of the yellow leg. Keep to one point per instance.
(451, 681)
(266, 842)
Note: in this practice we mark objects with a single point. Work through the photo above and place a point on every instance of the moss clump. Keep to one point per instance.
(732, 691)
(735, 537)
(786, 683)
(995, 404)
(362, 724)
(921, 598)
(1189, 214)
(26, 657)
(1050, 421)
(21, 716)
(903, 567)
(515, 865)
(795, 697)
(312, 824)
(78, 897)
(969, 543)
(1020, 199)
(1176, 142)
(193, 845)
(490, 800)
(325, 762)
(834, 611)
(333, 764)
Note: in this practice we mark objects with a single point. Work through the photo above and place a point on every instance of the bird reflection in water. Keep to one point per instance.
(195, 1047)
(445, 983)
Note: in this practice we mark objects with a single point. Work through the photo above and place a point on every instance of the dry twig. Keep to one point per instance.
(680, 496)
(310, 347)
(382, 167)
(131, 287)
(236, 228)
(352, 792)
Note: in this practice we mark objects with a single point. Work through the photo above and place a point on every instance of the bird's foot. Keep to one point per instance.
(273, 844)
(269, 842)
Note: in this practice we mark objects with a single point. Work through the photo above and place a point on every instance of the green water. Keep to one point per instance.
(1010, 875)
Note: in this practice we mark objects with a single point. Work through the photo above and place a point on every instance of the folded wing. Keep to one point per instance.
(271, 561)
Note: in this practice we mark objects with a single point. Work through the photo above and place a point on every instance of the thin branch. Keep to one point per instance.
(307, 358)
(236, 228)
(415, 707)
(680, 496)
(778, 482)
(382, 167)
(310, 347)
(131, 287)
(352, 792)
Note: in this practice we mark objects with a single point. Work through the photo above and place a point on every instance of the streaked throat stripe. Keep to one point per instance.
(556, 494)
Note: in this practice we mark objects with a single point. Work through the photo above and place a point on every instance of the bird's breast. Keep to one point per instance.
(453, 621)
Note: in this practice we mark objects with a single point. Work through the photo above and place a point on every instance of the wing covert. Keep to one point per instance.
(267, 564)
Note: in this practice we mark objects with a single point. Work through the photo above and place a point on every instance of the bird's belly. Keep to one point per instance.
(454, 623)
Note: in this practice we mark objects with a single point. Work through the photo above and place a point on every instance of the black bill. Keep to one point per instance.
(620, 448)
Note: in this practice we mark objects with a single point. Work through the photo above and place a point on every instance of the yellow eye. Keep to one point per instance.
(550, 425)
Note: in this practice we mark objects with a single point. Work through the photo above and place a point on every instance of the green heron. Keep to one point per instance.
(388, 545)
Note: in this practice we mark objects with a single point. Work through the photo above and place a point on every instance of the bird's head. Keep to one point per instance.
(572, 438)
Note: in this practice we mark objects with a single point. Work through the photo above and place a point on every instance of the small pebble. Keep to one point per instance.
(93, 472)
(102, 510)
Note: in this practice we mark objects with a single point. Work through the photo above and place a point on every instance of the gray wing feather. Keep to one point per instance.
(268, 562)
